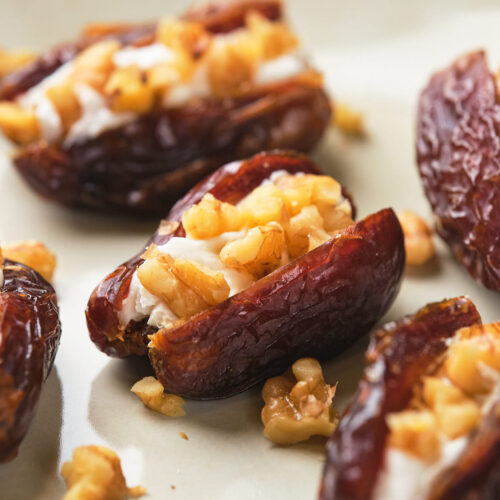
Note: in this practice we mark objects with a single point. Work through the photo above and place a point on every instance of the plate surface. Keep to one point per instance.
(376, 57)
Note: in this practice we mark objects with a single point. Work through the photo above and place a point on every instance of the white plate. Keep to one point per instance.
(376, 56)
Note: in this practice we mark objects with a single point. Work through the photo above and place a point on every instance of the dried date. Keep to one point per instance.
(314, 306)
(398, 356)
(458, 158)
(29, 337)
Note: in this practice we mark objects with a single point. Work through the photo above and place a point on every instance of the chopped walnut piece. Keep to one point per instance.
(18, 124)
(273, 39)
(418, 238)
(475, 347)
(186, 36)
(150, 392)
(305, 231)
(415, 432)
(12, 60)
(128, 90)
(298, 404)
(259, 252)
(33, 254)
(94, 65)
(157, 275)
(95, 473)
(347, 120)
(231, 66)
(183, 435)
(66, 103)
(211, 217)
(265, 204)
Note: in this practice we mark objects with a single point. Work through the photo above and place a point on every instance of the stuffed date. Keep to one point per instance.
(29, 337)
(131, 117)
(425, 421)
(459, 162)
(257, 266)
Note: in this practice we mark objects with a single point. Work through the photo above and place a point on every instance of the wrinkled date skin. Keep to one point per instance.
(145, 166)
(458, 152)
(29, 337)
(315, 306)
(398, 356)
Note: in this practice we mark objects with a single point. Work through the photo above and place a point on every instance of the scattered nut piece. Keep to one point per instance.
(128, 90)
(18, 124)
(186, 36)
(95, 473)
(414, 432)
(347, 120)
(476, 346)
(33, 254)
(259, 252)
(418, 238)
(298, 404)
(183, 435)
(13, 60)
(211, 217)
(65, 102)
(151, 393)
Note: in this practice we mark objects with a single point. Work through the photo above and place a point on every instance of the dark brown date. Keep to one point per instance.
(145, 166)
(398, 355)
(315, 306)
(459, 162)
(29, 337)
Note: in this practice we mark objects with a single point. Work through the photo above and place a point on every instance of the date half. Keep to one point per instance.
(29, 337)
(314, 306)
(459, 162)
(399, 355)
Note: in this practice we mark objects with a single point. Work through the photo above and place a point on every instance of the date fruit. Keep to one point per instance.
(29, 337)
(145, 164)
(401, 357)
(459, 162)
(315, 306)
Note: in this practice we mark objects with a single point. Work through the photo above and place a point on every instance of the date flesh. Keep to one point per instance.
(315, 306)
(398, 356)
(145, 166)
(459, 162)
(29, 337)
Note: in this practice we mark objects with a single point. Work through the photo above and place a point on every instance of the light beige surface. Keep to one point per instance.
(376, 56)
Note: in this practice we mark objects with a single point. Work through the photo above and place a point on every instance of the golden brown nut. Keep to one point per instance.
(13, 60)
(305, 231)
(33, 254)
(95, 473)
(418, 238)
(211, 217)
(347, 120)
(192, 38)
(128, 90)
(259, 252)
(415, 432)
(65, 102)
(151, 393)
(18, 124)
(265, 204)
(298, 404)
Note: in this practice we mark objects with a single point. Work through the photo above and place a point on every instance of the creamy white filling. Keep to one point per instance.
(281, 68)
(140, 303)
(96, 116)
(144, 57)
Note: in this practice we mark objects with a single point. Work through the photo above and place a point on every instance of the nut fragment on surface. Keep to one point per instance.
(13, 60)
(418, 238)
(95, 473)
(150, 392)
(298, 404)
(347, 120)
(33, 254)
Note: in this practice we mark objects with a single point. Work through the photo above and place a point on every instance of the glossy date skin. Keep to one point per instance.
(315, 306)
(398, 356)
(29, 337)
(145, 166)
(459, 162)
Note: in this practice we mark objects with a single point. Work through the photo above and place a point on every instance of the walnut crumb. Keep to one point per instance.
(347, 120)
(183, 435)
(150, 392)
(95, 473)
